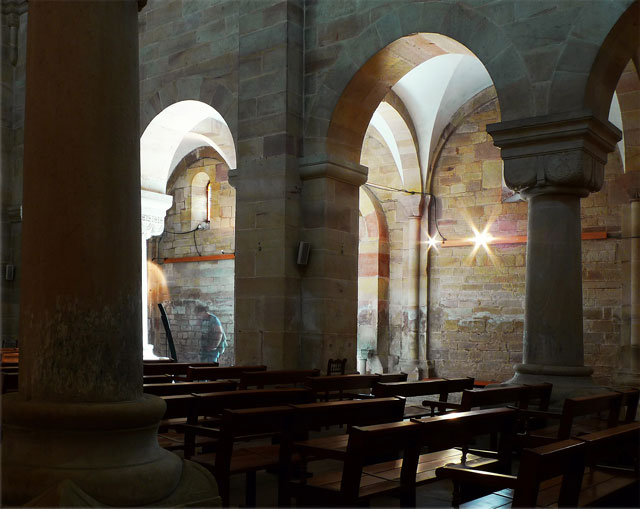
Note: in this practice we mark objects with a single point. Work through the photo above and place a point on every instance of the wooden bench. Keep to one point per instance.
(340, 386)
(157, 379)
(358, 481)
(174, 389)
(195, 373)
(442, 387)
(579, 416)
(392, 377)
(281, 377)
(554, 474)
(228, 460)
(172, 368)
(9, 381)
(207, 408)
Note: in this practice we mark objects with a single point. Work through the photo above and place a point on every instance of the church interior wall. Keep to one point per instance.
(181, 287)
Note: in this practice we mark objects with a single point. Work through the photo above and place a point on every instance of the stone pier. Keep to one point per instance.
(80, 432)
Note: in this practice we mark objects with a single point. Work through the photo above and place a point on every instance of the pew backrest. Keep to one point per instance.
(195, 373)
(323, 386)
(392, 377)
(169, 389)
(362, 412)
(172, 368)
(259, 379)
(213, 404)
(573, 408)
(494, 396)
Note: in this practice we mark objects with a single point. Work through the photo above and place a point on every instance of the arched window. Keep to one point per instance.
(200, 199)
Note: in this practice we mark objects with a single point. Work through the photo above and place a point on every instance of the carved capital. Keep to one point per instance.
(321, 166)
(14, 8)
(153, 209)
(555, 153)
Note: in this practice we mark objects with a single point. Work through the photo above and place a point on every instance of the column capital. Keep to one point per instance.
(555, 153)
(14, 7)
(324, 166)
(154, 207)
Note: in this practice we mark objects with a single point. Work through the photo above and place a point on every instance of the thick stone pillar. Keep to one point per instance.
(553, 162)
(330, 200)
(80, 431)
(267, 279)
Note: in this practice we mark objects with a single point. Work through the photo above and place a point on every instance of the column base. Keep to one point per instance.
(417, 370)
(108, 451)
(568, 381)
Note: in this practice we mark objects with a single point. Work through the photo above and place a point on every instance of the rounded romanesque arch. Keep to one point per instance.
(195, 88)
(597, 82)
(399, 41)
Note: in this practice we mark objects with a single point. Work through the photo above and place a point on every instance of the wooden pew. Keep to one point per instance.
(554, 474)
(207, 408)
(334, 386)
(172, 368)
(442, 387)
(579, 416)
(196, 373)
(292, 377)
(392, 377)
(358, 482)
(228, 460)
(174, 389)
(9, 381)
(157, 379)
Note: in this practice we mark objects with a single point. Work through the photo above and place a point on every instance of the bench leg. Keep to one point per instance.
(250, 489)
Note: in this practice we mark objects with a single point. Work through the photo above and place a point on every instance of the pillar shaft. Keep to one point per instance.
(80, 431)
(80, 296)
(635, 273)
(553, 305)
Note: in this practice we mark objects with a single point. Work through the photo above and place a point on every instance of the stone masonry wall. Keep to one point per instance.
(183, 286)
(476, 301)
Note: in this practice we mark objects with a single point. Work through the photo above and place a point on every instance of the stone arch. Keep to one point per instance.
(191, 88)
(176, 131)
(621, 45)
(628, 94)
(358, 82)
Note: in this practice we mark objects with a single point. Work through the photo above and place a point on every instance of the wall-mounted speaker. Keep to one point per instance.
(303, 253)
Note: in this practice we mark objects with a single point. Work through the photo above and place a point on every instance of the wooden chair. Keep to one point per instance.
(195, 373)
(340, 386)
(174, 389)
(336, 366)
(291, 377)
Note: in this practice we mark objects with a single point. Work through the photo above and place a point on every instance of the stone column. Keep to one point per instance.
(154, 208)
(553, 162)
(414, 354)
(80, 431)
(330, 201)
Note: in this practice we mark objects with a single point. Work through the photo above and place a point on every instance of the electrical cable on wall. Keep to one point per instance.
(406, 191)
(195, 240)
